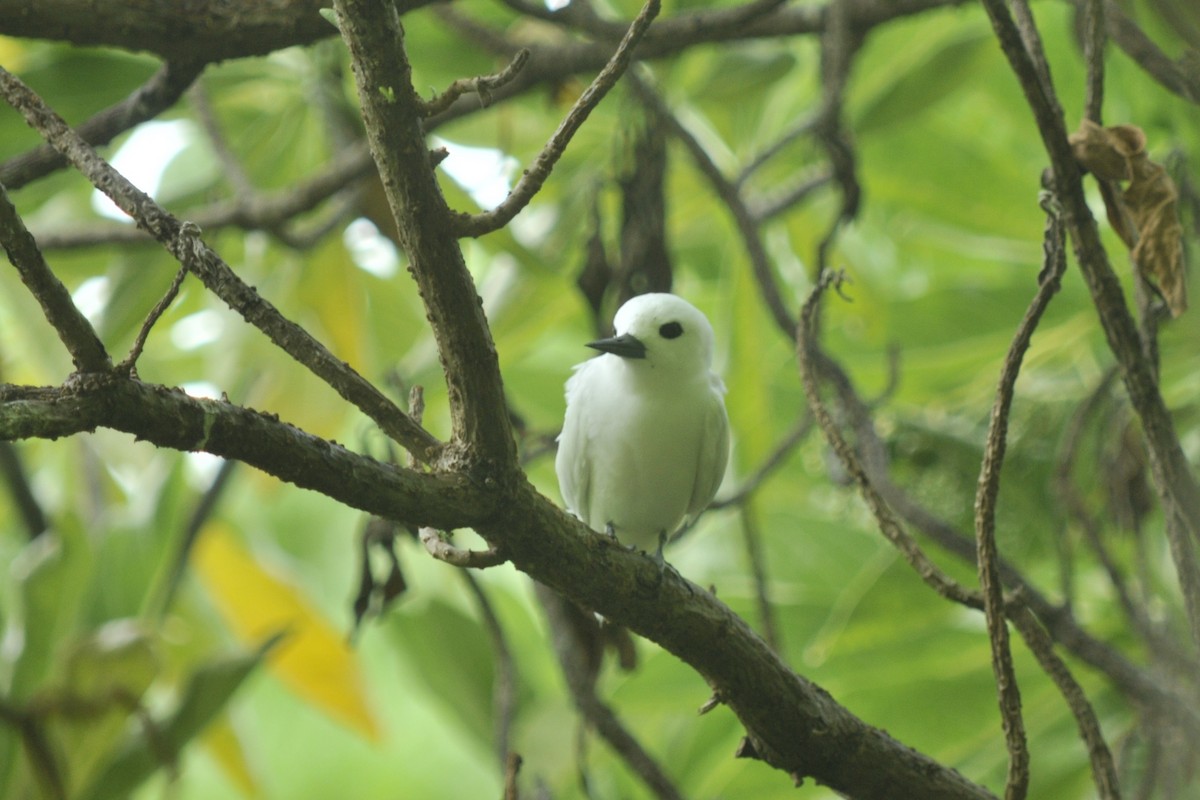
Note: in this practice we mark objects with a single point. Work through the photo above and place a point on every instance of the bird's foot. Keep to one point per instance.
(663, 566)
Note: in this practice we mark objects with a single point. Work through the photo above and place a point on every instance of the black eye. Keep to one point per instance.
(671, 330)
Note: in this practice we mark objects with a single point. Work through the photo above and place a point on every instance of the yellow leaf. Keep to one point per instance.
(225, 747)
(314, 659)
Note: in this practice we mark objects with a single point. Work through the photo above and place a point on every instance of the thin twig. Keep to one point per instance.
(539, 171)
(27, 505)
(1126, 35)
(1094, 37)
(986, 496)
(483, 86)
(779, 201)
(231, 167)
(802, 128)
(442, 550)
(1104, 772)
(129, 365)
(752, 538)
(267, 212)
(580, 661)
(810, 359)
(772, 462)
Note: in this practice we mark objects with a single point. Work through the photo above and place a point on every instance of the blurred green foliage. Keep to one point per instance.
(943, 260)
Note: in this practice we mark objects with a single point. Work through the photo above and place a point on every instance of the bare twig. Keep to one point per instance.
(579, 662)
(482, 86)
(758, 569)
(1104, 772)
(839, 42)
(267, 212)
(779, 201)
(512, 767)
(27, 506)
(231, 167)
(986, 496)
(539, 170)
(129, 365)
(772, 462)
(73, 329)
(1094, 37)
(810, 359)
(442, 550)
(1126, 35)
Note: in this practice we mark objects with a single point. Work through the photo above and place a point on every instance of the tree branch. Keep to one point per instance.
(149, 100)
(1176, 484)
(482, 440)
(169, 418)
(185, 244)
(254, 211)
(77, 334)
(534, 177)
(986, 498)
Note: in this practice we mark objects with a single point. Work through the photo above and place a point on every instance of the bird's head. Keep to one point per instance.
(663, 332)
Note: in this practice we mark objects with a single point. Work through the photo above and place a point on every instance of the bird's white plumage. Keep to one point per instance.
(645, 439)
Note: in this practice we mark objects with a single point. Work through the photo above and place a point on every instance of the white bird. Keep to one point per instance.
(646, 437)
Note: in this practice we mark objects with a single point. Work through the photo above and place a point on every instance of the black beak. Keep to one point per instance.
(626, 346)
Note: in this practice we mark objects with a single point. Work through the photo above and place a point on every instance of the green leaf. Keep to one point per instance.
(913, 91)
(451, 653)
(207, 693)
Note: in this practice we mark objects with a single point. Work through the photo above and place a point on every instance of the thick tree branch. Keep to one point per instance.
(392, 111)
(169, 418)
(793, 724)
(202, 30)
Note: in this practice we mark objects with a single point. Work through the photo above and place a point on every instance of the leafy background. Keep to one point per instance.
(943, 259)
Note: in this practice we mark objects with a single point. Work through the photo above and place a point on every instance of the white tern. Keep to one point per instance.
(646, 437)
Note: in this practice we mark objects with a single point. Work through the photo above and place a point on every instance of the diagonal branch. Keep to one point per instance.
(184, 243)
(150, 99)
(265, 211)
(534, 177)
(72, 327)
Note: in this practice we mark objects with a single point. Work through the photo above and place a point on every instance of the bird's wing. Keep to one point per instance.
(572, 463)
(714, 453)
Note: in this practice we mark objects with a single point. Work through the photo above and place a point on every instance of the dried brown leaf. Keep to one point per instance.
(1147, 205)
